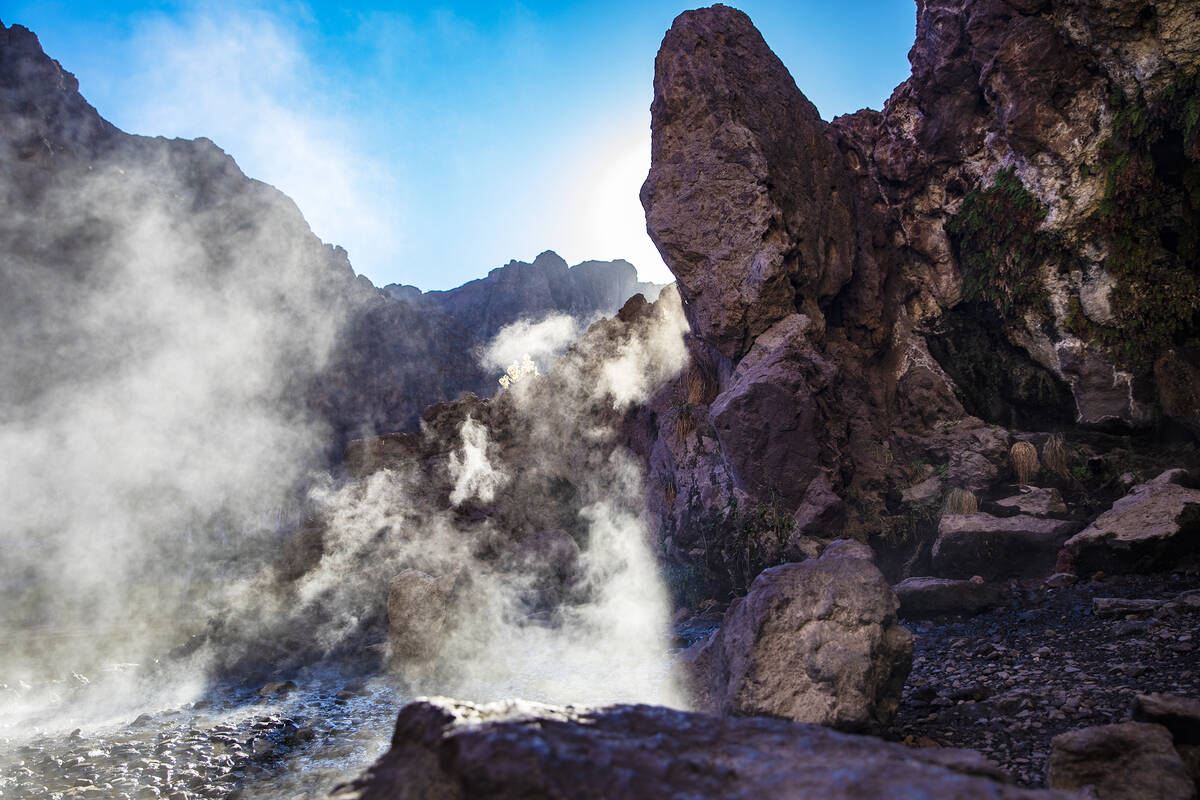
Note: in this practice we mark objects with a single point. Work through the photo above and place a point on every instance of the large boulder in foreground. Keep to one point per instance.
(449, 750)
(998, 547)
(1129, 761)
(1146, 530)
(815, 642)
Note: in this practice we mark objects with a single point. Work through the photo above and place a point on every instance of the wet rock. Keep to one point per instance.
(816, 641)
(277, 688)
(998, 547)
(927, 597)
(1147, 529)
(449, 749)
(1127, 761)
(1036, 502)
(1180, 715)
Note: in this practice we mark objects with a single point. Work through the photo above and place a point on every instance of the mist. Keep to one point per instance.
(165, 320)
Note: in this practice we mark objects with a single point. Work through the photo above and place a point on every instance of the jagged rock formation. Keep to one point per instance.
(444, 748)
(405, 350)
(71, 185)
(885, 290)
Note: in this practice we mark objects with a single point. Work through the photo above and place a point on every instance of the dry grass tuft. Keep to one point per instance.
(700, 384)
(1025, 463)
(960, 501)
(1056, 457)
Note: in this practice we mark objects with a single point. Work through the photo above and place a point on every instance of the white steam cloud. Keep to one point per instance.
(543, 341)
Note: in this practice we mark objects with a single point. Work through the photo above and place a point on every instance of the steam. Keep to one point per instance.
(474, 476)
(153, 352)
(163, 319)
(542, 341)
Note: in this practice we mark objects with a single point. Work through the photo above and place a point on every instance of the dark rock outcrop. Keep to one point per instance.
(449, 749)
(999, 547)
(860, 289)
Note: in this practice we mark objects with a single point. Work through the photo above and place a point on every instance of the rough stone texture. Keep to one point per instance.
(1145, 530)
(767, 214)
(1179, 715)
(930, 597)
(1128, 761)
(998, 547)
(450, 749)
(816, 642)
(417, 607)
(729, 122)
(1036, 502)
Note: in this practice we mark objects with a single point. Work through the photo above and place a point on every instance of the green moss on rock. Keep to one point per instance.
(996, 235)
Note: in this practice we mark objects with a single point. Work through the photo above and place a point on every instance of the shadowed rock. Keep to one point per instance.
(449, 749)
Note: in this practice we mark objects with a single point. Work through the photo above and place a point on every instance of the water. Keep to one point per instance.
(237, 744)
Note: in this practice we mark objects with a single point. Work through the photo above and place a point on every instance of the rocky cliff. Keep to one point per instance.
(1010, 244)
(89, 211)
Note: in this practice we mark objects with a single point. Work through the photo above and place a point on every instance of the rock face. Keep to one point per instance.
(816, 642)
(866, 294)
(1147, 529)
(1123, 762)
(998, 547)
(449, 749)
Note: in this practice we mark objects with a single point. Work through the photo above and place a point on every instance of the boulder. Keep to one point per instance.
(417, 606)
(816, 642)
(931, 597)
(1035, 501)
(1180, 715)
(998, 547)
(450, 749)
(1129, 761)
(1146, 530)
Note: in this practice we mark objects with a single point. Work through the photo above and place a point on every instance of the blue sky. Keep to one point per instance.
(438, 141)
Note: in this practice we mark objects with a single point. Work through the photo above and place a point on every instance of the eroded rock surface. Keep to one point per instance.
(816, 641)
(450, 749)
(1147, 529)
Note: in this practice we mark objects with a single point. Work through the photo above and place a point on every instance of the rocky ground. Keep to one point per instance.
(1048, 661)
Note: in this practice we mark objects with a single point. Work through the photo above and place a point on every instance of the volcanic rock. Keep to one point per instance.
(998, 547)
(1145, 530)
(816, 642)
(929, 597)
(515, 749)
(1127, 761)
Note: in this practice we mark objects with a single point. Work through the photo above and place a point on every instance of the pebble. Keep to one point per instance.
(1007, 681)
